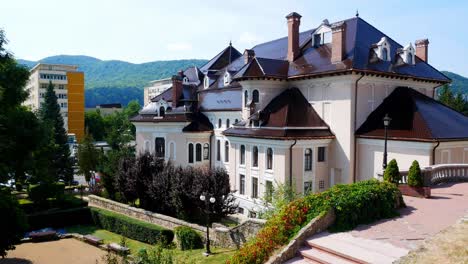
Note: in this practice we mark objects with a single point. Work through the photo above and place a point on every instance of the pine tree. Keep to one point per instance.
(455, 101)
(88, 156)
(414, 175)
(50, 113)
(392, 172)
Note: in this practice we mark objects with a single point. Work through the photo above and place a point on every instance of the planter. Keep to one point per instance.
(415, 191)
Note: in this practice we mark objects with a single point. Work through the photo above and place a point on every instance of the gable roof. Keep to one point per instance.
(415, 117)
(223, 59)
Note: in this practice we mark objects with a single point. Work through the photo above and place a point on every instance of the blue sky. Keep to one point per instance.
(143, 30)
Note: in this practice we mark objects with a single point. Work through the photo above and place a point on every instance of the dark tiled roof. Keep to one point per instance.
(262, 67)
(415, 117)
(193, 74)
(223, 59)
(199, 123)
(288, 115)
(166, 96)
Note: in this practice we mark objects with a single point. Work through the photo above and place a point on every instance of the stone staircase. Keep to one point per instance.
(343, 248)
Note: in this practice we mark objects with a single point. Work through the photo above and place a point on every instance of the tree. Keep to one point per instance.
(279, 197)
(414, 175)
(94, 124)
(126, 179)
(455, 101)
(13, 222)
(392, 172)
(50, 113)
(118, 130)
(88, 156)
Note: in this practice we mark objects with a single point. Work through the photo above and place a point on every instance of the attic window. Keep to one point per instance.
(322, 35)
(227, 79)
(408, 54)
(382, 49)
(206, 82)
(185, 80)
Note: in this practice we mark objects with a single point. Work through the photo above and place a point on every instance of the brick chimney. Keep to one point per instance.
(177, 88)
(294, 20)
(422, 47)
(338, 42)
(249, 54)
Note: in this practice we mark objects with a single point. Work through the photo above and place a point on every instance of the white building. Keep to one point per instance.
(155, 88)
(305, 110)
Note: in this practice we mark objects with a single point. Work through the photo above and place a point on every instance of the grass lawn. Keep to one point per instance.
(220, 255)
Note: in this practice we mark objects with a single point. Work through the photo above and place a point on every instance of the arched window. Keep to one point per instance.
(269, 159)
(220, 123)
(409, 58)
(190, 153)
(246, 97)
(226, 151)
(185, 80)
(206, 151)
(198, 152)
(308, 159)
(255, 156)
(227, 79)
(384, 54)
(228, 123)
(160, 147)
(218, 150)
(161, 111)
(255, 96)
(206, 82)
(242, 155)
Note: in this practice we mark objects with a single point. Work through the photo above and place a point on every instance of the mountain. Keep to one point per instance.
(116, 81)
(459, 83)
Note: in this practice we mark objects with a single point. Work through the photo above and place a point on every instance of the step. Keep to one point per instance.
(352, 258)
(301, 260)
(323, 257)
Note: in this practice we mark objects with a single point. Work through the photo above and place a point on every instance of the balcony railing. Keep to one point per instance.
(440, 173)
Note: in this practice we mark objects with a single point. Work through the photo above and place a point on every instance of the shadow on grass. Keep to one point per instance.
(82, 229)
(15, 261)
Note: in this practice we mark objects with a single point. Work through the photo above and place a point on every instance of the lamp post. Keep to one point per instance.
(386, 121)
(212, 200)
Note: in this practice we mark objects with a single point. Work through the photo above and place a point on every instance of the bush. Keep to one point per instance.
(392, 172)
(13, 223)
(414, 175)
(188, 238)
(354, 204)
(39, 193)
(131, 228)
(61, 218)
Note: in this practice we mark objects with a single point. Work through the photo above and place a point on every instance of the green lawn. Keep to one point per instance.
(220, 255)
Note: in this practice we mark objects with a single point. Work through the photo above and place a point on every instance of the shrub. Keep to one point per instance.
(39, 193)
(131, 228)
(188, 238)
(392, 172)
(61, 218)
(13, 223)
(414, 175)
(354, 204)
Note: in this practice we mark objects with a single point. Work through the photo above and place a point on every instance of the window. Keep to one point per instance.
(242, 184)
(236, 121)
(254, 187)
(255, 96)
(242, 155)
(317, 40)
(255, 156)
(268, 191)
(206, 151)
(252, 214)
(61, 87)
(308, 160)
(269, 157)
(409, 58)
(161, 111)
(206, 82)
(218, 150)
(64, 105)
(160, 147)
(226, 151)
(198, 152)
(384, 54)
(307, 187)
(240, 210)
(246, 97)
(321, 184)
(190, 153)
(44, 85)
(321, 154)
(227, 79)
(185, 80)
(228, 123)
(220, 123)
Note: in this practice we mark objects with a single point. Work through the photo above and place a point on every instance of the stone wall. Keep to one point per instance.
(219, 235)
(316, 225)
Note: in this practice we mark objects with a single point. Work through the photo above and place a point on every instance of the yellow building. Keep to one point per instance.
(69, 88)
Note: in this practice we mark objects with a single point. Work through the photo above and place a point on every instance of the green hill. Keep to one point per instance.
(459, 83)
(117, 81)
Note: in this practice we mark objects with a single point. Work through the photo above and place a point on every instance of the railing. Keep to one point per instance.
(440, 173)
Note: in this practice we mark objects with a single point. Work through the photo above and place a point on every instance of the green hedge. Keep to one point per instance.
(354, 204)
(39, 193)
(188, 238)
(131, 228)
(61, 218)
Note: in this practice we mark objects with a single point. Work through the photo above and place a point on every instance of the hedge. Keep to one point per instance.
(61, 218)
(131, 228)
(354, 204)
(188, 238)
(40, 192)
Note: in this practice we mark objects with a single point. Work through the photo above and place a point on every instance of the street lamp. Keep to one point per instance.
(386, 122)
(212, 200)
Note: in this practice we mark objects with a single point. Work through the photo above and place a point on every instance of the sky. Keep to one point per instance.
(143, 30)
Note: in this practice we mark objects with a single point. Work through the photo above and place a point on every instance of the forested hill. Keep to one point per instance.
(117, 81)
(459, 83)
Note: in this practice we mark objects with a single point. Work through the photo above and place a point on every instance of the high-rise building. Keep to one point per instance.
(69, 87)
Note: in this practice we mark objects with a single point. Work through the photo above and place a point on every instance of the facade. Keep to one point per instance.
(155, 88)
(68, 86)
(305, 110)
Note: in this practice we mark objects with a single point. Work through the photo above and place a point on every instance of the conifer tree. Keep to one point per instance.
(392, 172)
(414, 175)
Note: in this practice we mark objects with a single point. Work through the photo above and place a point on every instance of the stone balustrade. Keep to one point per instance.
(440, 173)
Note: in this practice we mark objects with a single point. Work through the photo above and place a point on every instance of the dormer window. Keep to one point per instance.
(322, 35)
(382, 49)
(408, 54)
(185, 80)
(206, 82)
(227, 79)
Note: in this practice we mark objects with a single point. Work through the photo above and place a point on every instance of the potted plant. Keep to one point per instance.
(415, 183)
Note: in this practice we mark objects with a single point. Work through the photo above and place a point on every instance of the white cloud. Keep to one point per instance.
(179, 46)
(249, 38)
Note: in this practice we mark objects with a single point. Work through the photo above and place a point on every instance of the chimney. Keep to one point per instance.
(338, 42)
(176, 88)
(249, 54)
(422, 46)
(294, 20)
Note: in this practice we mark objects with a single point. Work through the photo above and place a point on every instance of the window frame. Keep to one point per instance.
(191, 156)
(254, 185)
(206, 151)
(198, 152)
(242, 184)
(255, 156)
(321, 154)
(242, 155)
(308, 159)
(269, 159)
(255, 96)
(160, 149)
(218, 150)
(226, 151)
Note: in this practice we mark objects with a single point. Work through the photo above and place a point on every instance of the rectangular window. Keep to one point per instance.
(308, 160)
(198, 152)
(44, 85)
(252, 214)
(268, 191)
(242, 184)
(321, 154)
(160, 147)
(321, 184)
(317, 40)
(218, 150)
(254, 187)
(61, 87)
